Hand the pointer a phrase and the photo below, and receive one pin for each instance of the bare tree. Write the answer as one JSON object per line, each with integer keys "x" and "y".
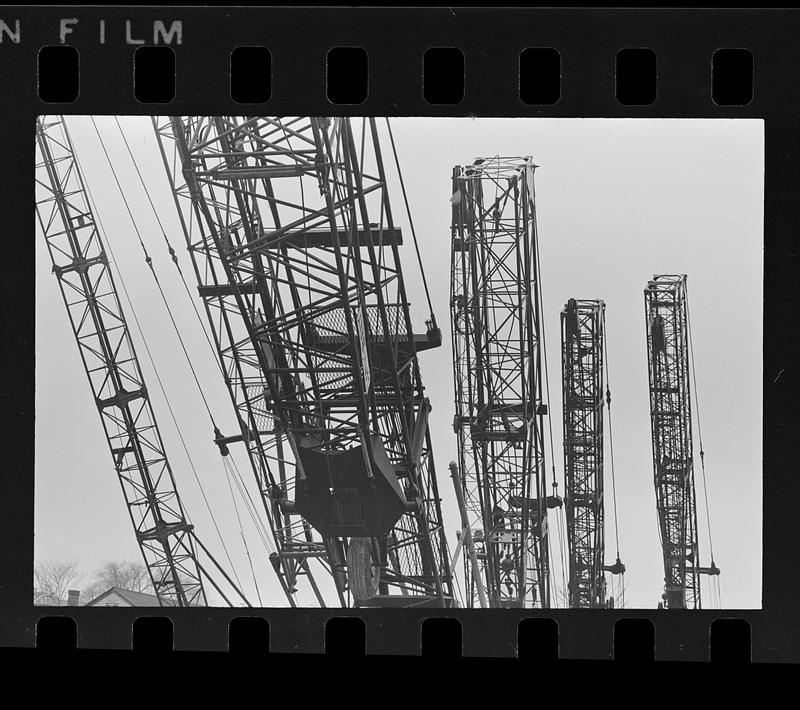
{"x": 55, "y": 578}
{"x": 122, "y": 574}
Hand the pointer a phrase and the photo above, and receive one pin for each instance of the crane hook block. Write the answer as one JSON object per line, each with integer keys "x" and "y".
{"x": 616, "y": 568}
{"x": 219, "y": 440}
{"x": 275, "y": 561}
{"x": 571, "y": 319}
{"x": 658, "y": 334}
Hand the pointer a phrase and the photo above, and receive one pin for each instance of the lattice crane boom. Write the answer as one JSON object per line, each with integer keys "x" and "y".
{"x": 496, "y": 330}
{"x": 666, "y": 317}
{"x": 81, "y": 265}
{"x": 582, "y": 361}
{"x": 290, "y": 229}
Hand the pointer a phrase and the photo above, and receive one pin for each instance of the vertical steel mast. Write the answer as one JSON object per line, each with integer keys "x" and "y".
{"x": 290, "y": 229}
{"x": 496, "y": 330}
{"x": 582, "y": 355}
{"x": 80, "y": 262}
{"x": 671, "y": 425}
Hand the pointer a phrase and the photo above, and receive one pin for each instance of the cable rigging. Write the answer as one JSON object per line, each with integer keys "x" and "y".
{"x": 538, "y": 286}
{"x": 149, "y": 261}
{"x": 149, "y": 353}
{"x": 411, "y": 223}
{"x": 243, "y": 491}
{"x": 715, "y": 578}
{"x": 66, "y": 214}
{"x": 169, "y": 404}
{"x": 173, "y": 255}
{"x": 618, "y": 563}
{"x": 157, "y": 374}
{"x": 241, "y": 531}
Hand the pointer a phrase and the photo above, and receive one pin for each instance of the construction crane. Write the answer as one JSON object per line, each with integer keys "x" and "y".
{"x": 297, "y": 259}
{"x": 582, "y": 361}
{"x": 668, "y": 350}
{"x": 67, "y": 220}
{"x": 499, "y": 408}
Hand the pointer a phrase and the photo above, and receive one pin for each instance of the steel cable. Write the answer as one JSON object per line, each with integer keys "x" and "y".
{"x": 538, "y": 287}
{"x": 411, "y": 223}
{"x": 699, "y": 428}
{"x": 613, "y": 469}
{"x": 156, "y": 372}
{"x": 149, "y": 262}
{"x": 241, "y": 531}
{"x": 611, "y": 441}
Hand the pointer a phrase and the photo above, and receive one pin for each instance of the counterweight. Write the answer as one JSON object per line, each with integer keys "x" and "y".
{"x": 291, "y": 233}
{"x": 81, "y": 265}
{"x": 666, "y": 317}
{"x": 496, "y": 330}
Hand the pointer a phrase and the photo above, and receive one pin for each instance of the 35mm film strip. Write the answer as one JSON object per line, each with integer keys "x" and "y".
{"x": 344, "y": 373}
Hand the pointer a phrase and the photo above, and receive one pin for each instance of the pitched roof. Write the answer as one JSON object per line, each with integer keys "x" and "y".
{"x": 132, "y": 597}
{"x": 139, "y": 598}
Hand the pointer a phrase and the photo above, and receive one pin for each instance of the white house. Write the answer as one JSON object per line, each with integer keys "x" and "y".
{"x": 116, "y": 596}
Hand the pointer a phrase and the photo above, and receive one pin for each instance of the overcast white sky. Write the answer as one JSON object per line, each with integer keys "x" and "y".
{"x": 617, "y": 201}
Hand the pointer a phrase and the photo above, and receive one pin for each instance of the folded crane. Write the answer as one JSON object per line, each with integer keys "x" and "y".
{"x": 668, "y": 350}
{"x": 497, "y": 333}
{"x": 582, "y": 359}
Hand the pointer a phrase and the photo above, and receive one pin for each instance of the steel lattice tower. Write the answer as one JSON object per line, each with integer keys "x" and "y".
{"x": 80, "y": 262}
{"x": 671, "y": 426}
{"x": 290, "y": 229}
{"x": 582, "y": 355}
{"x": 496, "y": 330}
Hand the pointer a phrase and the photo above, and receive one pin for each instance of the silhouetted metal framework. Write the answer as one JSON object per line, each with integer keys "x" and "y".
{"x": 291, "y": 233}
{"x": 496, "y": 330}
{"x": 80, "y": 262}
{"x": 671, "y": 425}
{"x": 582, "y": 354}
